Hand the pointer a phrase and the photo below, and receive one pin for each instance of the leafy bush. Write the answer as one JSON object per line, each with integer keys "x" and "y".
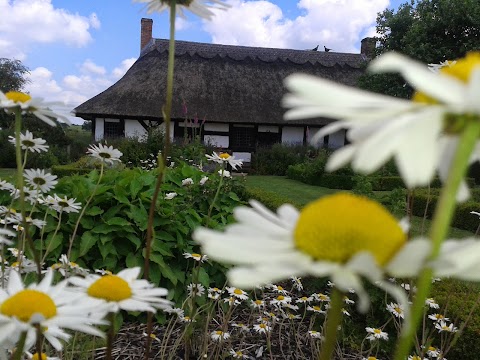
{"x": 275, "y": 160}
{"x": 111, "y": 234}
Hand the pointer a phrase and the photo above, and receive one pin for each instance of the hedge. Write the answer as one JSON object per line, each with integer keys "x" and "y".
{"x": 68, "y": 170}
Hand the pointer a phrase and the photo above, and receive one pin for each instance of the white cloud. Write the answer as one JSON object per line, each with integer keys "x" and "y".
{"x": 182, "y": 24}
{"x": 89, "y": 67}
{"x": 75, "y": 89}
{"x": 337, "y": 24}
{"x": 119, "y": 71}
{"x": 26, "y": 22}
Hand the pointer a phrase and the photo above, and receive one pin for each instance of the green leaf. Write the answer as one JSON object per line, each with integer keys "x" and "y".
{"x": 135, "y": 240}
{"x": 233, "y": 196}
{"x": 165, "y": 270}
{"x": 135, "y": 186}
{"x": 118, "y": 221}
{"x": 139, "y": 215}
{"x": 133, "y": 260}
{"x": 87, "y": 241}
{"x": 53, "y": 242}
{"x": 203, "y": 277}
{"x": 103, "y": 229}
{"x": 94, "y": 210}
{"x": 87, "y": 222}
{"x": 163, "y": 235}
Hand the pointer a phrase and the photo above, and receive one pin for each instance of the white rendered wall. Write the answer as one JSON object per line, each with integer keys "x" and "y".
{"x": 172, "y": 127}
{"x": 336, "y": 139}
{"x": 216, "y": 127}
{"x": 133, "y": 128}
{"x": 244, "y": 156}
{"x": 219, "y": 141}
{"x": 292, "y": 135}
{"x": 311, "y": 134}
{"x": 268, "y": 128}
{"x": 99, "y": 129}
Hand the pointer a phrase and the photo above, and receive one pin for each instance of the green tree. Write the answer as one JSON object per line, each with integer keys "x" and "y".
{"x": 12, "y": 75}
{"x": 430, "y": 31}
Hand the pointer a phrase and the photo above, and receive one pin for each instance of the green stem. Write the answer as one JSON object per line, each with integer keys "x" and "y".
{"x": 334, "y": 318}
{"x": 47, "y": 250}
{"x": 110, "y": 335}
{"x": 20, "y": 185}
{"x": 439, "y": 229}
{"x": 166, "y": 112}
{"x": 72, "y": 238}
{"x": 220, "y": 183}
{"x": 17, "y": 355}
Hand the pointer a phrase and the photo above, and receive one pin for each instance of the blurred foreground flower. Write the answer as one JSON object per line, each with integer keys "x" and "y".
{"x": 14, "y": 100}
{"x": 51, "y": 307}
{"x": 342, "y": 236}
{"x": 421, "y": 134}
{"x": 198, "y": 7}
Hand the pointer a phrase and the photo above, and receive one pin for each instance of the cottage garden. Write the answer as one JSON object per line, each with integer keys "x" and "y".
{"x": 107, "y": 259}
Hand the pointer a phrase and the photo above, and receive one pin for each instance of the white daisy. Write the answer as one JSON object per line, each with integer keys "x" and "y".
{"x": 123, "y": 291}
{"x": 18, "y": 220}
{"x": 107, "y": 154}
{"x": 177, "y": 311}
{"x": 272, "y": 247}
{"x": 442, "y": 326}
{"x": 46, "y": 305}
{"x": 219, "y": 335}
{"x": 420, "y": 135}
{"x": 4, "y": 237}
{"x": 316, "y": 309}
{"x": 62, "y": 204}
{"x": 170, "y": 195}
{"x": 28, "y": 142}
{"x": 304, "y": 299}
{"x": 397, "y": 310}
{"x": 376, "y": 334}
{"x": 258, "y": 304}
{"x": 238, "y": 293}
{"x": 432, "y": 351}
{"x": 281, "y": 300}
{"x": 238, "y": 354}
{"x": 348, "y": 301}
{"x": 241, "y": 326}
{"x": 195, "y": 290}
{"x": 225, "y": 158}
{"x": 321, "y": 297}
{"x": 200, "y": 8}
{"x": 5, "y": 185}
{"x": 416, "y": 357}
{"x": 40, "y": 180}
{"x": 432, "y": 303}
{"x": 438, "y": 317}
{"x": 203, "y": 180}
{"x": 232, "y": 300}
{"x": 262, "y": 328}
{"x": 14, "y": 100}
{"x": 315, "y": 334}
{"x": 187, "y": 181}
{"x": 224, "y": 173}
{"x": 278, "y": 288}
{"x": 195, "y": 256}
{"x": 297, "y": 282}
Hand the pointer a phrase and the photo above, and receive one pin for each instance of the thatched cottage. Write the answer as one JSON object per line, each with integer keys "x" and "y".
{"x": 236, "y": 89}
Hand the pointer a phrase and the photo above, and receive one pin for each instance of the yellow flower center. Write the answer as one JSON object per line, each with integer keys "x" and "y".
{"x": 15, "y": 264}
{"x": 336, "y": 227}
{"x": 461, "y": 70}
{"x": 43, "y": 356}
{"x": 263, "y": 326}
{"x": 377, "y": 331}
{"x": 195, "y": 255}
{"x": 238, "y": 292}
{"x": 110, "y": 288}
{"x": 18, "y": 97}
{"x": 279, "y": 288}
{"x": 280, "y": 297}
{"x": 398, "y": 310}
{"x": 431, "y": 348}
{"x": 219, "y": 332}
{"x": 26, "y": 303}
{"x": 258, "y": 302}
{"x": 371, "y": 358}
{"x": 317, "y": 308}
{"x": 224, "y": 156}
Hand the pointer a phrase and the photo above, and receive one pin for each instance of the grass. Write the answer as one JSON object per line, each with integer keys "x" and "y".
{"x": 302, "y": 194}
{"x": 7, "y": 174}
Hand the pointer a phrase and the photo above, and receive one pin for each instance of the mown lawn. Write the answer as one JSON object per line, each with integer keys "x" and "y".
{"x": 302, "y": 194}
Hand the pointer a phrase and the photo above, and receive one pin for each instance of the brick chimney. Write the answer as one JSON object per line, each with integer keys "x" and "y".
{"x": 368, "y": 47}
{"x": 146, "y": 32}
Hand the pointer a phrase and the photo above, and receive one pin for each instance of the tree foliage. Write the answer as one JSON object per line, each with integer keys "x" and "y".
{"x": 12, "y": 75}
{"x": 430, "y": 31}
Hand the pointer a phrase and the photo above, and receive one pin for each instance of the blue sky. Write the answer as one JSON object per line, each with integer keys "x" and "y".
{"x": 76, "y": 49}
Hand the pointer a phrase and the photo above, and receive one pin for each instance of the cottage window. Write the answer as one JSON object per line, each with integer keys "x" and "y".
{"x": 113, "y": 129}
{"x": 242, "y": 138}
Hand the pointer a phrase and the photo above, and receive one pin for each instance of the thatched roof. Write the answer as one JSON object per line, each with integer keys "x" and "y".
{"x": 237, "y": 84}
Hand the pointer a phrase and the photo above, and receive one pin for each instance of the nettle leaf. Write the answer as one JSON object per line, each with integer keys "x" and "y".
{"x": 121, "y": 195}
{"x": 113, "y": 211}
{"x": 52, "y": 243}
{"x": 107, "y": 249}
{"x": 135, "y": 186}
{"x": 163, "y": 235}
{"x": 118, "y": 221}
{"x": 103, "y": 229}
{"x": 203, "y": 277}
{"x": 162, "y": 247}
{"x": 87, "y": 222}
{"x": 140, "y": 215}
{"x": 94, "y": 210}
{"x": 87, "y": 241}
{"x": 135, "y": 240}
